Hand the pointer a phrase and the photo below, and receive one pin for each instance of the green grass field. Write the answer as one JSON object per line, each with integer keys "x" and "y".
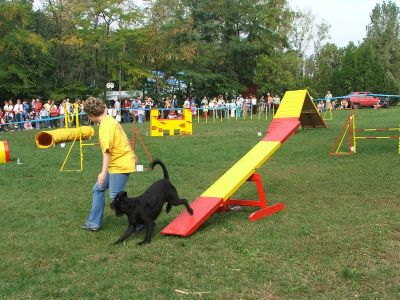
{"x": 339, "y": 236}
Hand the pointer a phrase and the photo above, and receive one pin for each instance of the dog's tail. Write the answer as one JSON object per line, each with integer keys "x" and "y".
{"x": 164, "y": 168}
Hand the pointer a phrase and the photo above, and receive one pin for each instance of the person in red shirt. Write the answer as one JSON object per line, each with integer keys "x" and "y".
{"x": 127, "y": 114}
{"x": 53, "y": 114}
{"x": 37, "y": 108}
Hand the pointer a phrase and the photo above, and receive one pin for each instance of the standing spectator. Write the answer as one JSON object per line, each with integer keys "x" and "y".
{"x": 232, "y": 107}
{"x": 167, "y": 107}
{"x": 1, "y": 120}
{"x": 61, "y": 112}
{"x": 193, "y": 110}
{"x": 328, "y": 98}
{"x": 262, "y": 105}
{"x": 33, "y": 103}
{"x": 135, "y": 105}
{"x": 203, "y": 105}
{"x": 37, "y": 109}
{"x": 25, "y": 107}
{"x": 148, "y": 106}
{"x": 174, "y": 102}
{"x": 211, "y": 107}
{"x": 68, "y": 107}
{"x": 44, "y": 115}
{"x": 276, "y": 102}
{"x": 81, "y": 113}
{"x": 204, "y": 101}
{"x": 186, "y": 103}
{"x": 239, "y": 104}
{"x": 270, "y": 103}
{"x": 127, "y": 114}
{"x": 205, "y": 111}
{"x": 47, "y": 107}
{"x": 53, "y": 114}
{"x": 141, "y": 113}
{"x": 117, "y": 107}
{"x": 253, "y": 100}
{"x": 18, "y": 111}
{"x": 193, "y": 100}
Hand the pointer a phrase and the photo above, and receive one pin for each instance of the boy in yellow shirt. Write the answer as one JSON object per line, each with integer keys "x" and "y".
{"x": 118, "y": 160}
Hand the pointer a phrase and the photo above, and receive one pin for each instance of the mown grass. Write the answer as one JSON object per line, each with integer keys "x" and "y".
{"x": 337, "y": 238}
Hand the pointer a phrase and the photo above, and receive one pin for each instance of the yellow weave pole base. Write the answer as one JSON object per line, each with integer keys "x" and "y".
{"x": 329, "y": 113}
{"x": 68, "y": 155}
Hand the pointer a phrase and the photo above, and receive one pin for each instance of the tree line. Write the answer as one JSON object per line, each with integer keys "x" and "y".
{"x": 73, "y": 48}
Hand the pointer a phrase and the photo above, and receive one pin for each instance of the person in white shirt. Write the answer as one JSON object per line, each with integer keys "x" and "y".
{"x": 18, "y": 110}
{"x": 8, "y": 111}
{"x": 254, "y": 105}
{"x": 186, "y": 104}
{"x": 117, "y": 106}
{"x": 211, "y": 107}
{"x": 328, "y": 98}
{"x": 44, "y": 115}
{"x": 232, "y": 107}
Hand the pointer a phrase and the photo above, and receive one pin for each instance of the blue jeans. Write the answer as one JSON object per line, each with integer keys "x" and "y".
{"x": 127, "y": 115}
{"x": 115, "y": 183}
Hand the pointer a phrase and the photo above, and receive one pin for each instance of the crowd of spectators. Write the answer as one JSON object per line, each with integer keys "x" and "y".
{"x": 35, "y": 114}
{"x": 138, "y": 109}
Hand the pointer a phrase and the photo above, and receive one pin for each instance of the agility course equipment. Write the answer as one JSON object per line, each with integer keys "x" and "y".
{"x": 69, "y": 116}
{"x": 328, "y": 115}
{"x": 47, "y": 139}
{"x": 350, "y": 131}
{"x": 135, "y": 135}
{"x": 296, "y": 109}
{"x": 4, "y": 152}
{"x": 158, "y": 126}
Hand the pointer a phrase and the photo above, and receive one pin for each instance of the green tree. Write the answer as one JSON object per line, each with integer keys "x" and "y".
{"x": 23, "y": 53}
{"x": 383, "y": 34}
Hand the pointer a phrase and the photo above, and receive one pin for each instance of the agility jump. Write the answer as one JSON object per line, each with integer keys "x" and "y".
{"x": 350, "y": 131}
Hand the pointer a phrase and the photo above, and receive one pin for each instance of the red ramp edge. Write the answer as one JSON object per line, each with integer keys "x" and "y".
{"x": 186, "y": 224}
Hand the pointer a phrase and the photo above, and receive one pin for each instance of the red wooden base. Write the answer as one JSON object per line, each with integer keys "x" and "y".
{"x": 260, "y": 202}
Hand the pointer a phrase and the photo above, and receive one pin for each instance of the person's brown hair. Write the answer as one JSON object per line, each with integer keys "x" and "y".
{"x": 94, "y": 106}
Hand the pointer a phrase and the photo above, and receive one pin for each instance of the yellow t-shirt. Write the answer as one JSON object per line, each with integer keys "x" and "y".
{"x": 113, "y": 138}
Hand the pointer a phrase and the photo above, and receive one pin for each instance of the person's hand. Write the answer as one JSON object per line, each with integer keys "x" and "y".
{"x": 100, "y": 179}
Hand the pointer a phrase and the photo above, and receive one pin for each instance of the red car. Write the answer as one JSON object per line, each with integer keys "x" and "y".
{"x": 362, "y": 99}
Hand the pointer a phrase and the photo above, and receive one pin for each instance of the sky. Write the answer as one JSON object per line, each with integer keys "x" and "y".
{"x": 347, "y": 18}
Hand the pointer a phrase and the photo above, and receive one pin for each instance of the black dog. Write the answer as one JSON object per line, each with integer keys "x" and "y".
{"x": 146, "y": 208}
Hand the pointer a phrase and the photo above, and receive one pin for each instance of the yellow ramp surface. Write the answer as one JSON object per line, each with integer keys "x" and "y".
{"x": 292, "y": 104}
{"x": 233, "y": 179}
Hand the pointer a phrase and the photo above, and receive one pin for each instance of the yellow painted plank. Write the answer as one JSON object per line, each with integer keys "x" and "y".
{"x": 292, "y": 104}
{"x": 233, "y": 179}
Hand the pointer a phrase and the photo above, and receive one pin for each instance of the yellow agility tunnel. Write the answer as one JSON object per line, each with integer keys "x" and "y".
{"x": 47, "y": 139}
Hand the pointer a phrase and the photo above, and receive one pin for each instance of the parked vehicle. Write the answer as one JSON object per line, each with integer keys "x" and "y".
{"x": 362, "y": 99}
